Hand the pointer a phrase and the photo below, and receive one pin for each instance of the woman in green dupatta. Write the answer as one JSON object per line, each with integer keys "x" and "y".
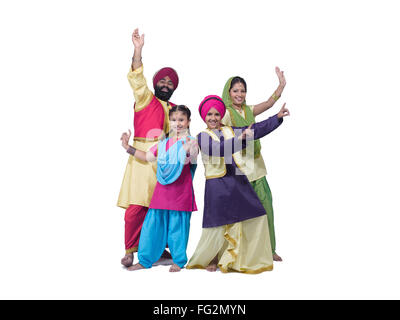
{"x": 239, "y": 114}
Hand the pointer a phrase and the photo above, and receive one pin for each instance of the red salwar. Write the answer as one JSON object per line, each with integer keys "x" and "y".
{"x": 134, "y": 217}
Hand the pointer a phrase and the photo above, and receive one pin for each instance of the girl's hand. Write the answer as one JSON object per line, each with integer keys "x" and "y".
{"x": 284, "y": 112}
{"x": 192, "y": 150}
{"x": 187, "y": 144}
{"x": 194, "y": 147}
{"x": 125, "y": 139}
{"x": 190, "y": 145}
{"x": 137, "y": 39}
{"x": 247, "y": 133}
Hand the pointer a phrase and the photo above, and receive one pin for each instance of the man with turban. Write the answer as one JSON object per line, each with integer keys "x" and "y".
{"x": 151, "y": 121}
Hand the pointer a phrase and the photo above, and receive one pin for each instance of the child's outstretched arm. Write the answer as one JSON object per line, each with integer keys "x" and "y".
{"x": 261, "y": 129}
{"x": 220, "y": 148}
{"x": 139, "y": 154}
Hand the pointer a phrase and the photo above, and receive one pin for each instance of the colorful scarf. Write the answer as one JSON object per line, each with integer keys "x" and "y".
{"x": 170, "y": 163}
{"x": 237, "y": 119}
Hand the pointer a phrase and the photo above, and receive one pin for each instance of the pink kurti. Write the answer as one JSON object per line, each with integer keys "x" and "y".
{"x": 178, "y": 195}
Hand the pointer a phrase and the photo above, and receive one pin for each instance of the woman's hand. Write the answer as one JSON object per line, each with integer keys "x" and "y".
{"x": 125, "y": 139}
{"x": 281, "y": 77}
{"x": 284, "y": 112}
{"x": 263, "y": 106}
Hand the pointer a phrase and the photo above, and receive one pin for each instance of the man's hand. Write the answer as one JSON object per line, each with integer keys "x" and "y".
{"x": 138, "y": 42}
{"x": 137, "y": 39}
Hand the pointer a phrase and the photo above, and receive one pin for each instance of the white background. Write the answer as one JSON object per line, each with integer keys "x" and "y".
{"x": 332, "y": 166}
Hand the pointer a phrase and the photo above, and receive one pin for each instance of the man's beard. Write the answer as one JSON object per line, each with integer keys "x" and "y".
{"x": 163, "y": 95}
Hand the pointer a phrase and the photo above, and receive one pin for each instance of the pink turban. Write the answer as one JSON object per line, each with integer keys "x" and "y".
{"x": 211, "y": 102}
{"x": 171, "y": 73}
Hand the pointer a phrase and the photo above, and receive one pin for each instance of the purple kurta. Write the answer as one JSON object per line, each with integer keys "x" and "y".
{"x": 231, "y": 198}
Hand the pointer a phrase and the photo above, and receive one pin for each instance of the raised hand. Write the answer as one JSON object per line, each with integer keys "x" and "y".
{"x": 247, "y": 133}
{"x": 284, "y": 112}
{"x": 188, "y": 144}
{"x": 137, "y": 39}
{"x": 194, "y": 146}
{"x": 125, "y": 139}
{"x": 263, "y": 106}
{"x": 281, "y": 77}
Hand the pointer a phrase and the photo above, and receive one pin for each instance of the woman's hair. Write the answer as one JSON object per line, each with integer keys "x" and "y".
{"x": 180, "y": 108}
{"x": 238, "y": 80}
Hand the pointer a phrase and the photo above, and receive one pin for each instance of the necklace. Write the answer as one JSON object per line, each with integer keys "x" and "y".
{"x": 238, "y": 108}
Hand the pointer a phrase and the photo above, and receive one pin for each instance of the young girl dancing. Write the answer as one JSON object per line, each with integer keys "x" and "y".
{"x": 168, "y": 220}
{"x": 235, "y": 233}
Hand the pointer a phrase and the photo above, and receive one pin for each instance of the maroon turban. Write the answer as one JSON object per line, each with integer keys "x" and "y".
{"x": 171, "y": 73}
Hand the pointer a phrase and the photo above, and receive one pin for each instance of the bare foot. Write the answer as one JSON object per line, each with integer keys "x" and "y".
{"x": 127, "y": 260}
{"x": 163, "y": 262}
{"x": 212, "y": 266}
{"x": 174, "y": 268}
{"x": 166, "y": 255}
{"x": 165, "y": 259}
{"x": 135, "y": 267}
{"x": 276, "y": 257}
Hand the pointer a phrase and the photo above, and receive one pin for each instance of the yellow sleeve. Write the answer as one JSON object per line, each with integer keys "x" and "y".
{"x": 226, "y": 120}
{"x": 141, "y": 92}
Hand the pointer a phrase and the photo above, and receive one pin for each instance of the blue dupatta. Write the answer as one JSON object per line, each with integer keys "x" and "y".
{"x": 170, "y": 163}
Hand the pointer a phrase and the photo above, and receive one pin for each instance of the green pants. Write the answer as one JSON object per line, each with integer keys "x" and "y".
{"x": 263, "y": 191}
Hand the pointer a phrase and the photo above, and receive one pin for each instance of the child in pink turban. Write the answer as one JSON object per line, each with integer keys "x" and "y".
{"x": 235, "y": 233}
{"x": 209, "y": 102}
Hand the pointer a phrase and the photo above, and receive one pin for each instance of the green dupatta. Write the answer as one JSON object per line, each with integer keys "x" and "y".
{"x": 237, "y": 119}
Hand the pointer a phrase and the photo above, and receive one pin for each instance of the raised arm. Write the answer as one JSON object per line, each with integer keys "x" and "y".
{"x": 142, "y": 93}
{"x": 263, "y": 106}
{"x": 261, "y": 129}
{"x": 138, "y": 42}
{"x": 139, "y": 154}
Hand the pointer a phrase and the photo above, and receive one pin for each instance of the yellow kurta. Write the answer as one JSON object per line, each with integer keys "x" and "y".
{"x": 259, "y": 165}
{"x": 140, "y": 177}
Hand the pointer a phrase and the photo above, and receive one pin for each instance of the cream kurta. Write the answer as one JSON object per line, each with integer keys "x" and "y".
{"x": 259, "y": 165}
